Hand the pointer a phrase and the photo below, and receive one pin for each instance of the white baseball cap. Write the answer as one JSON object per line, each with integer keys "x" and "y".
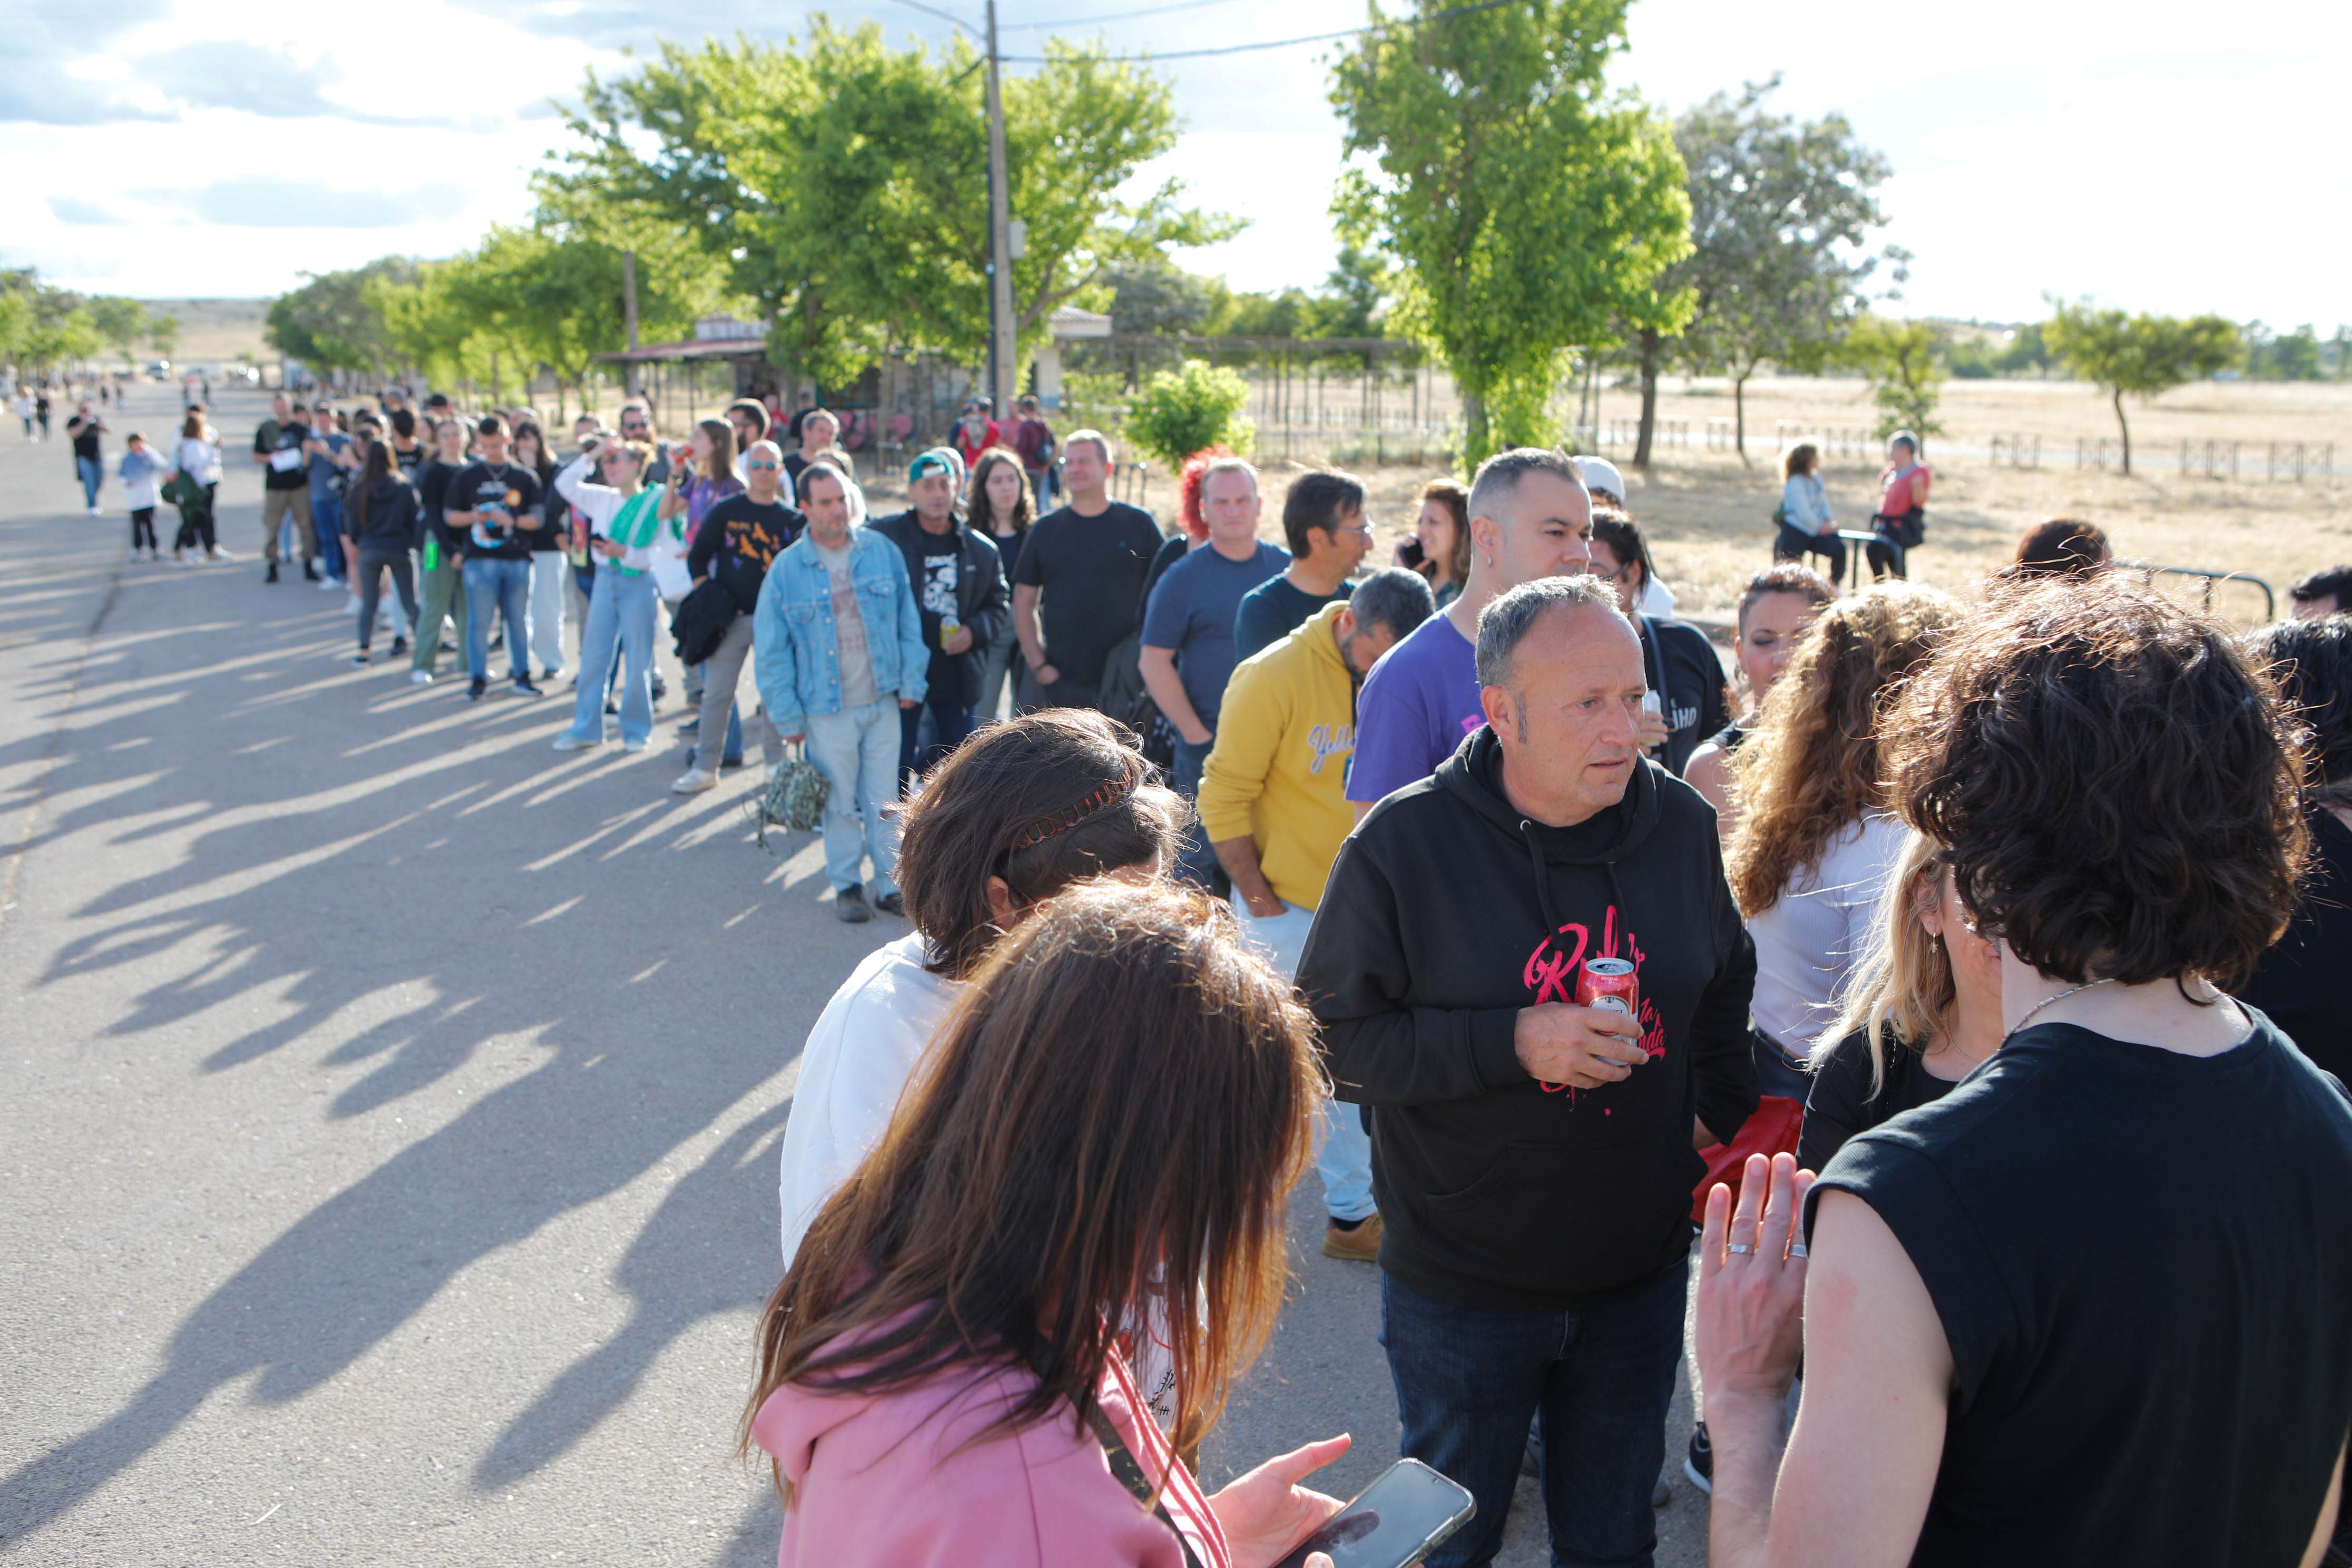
{"x": 1601, "y": 474}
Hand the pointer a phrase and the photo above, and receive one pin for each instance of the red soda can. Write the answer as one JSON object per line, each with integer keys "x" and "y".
{"x": 1609, "y": 983}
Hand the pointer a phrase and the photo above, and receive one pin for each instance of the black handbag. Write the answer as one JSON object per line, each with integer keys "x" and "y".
{"x": 700, "y": 623}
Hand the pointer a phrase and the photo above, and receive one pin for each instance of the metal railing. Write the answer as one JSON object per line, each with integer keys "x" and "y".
{"x": 2149, "y": 571}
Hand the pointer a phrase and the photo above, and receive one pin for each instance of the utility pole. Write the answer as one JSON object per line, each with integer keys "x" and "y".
{"x": 629, "y": 311}
{"x": 1001, "y": 335}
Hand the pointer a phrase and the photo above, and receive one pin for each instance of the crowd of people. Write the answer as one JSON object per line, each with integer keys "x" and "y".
{"x": 1862, "y": 980}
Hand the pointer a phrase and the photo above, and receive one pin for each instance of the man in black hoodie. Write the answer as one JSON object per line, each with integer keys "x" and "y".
{"x": 1533, "y": 1159}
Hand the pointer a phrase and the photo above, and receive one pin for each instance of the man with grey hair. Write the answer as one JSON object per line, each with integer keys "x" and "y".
{"x": 1529, "y": 518}
{"x": 1077, "y": 588}
{"x": 1273, "y": 806}
{"x": 1529, "y": 967}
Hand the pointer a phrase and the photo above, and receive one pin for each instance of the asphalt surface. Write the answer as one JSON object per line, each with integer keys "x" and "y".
{"x": 390, "y": 1105}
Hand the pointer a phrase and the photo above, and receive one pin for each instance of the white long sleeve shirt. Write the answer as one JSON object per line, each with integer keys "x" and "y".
{"x": 600, "y": 504}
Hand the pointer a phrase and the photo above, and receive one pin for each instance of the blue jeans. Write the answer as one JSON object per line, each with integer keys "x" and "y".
{"x": 504, "y": 587}
{"x": 857, "y": 751}
{"x": 92, "y": 477}
{"x": 1195, "y": 862}
{"x": 620, "y": 621}
{"x": 1598, "y": 1378}
{"x": 1343, "y": 1150}
{"x": 950, "y": 717}
{"x": 327, "y": 518}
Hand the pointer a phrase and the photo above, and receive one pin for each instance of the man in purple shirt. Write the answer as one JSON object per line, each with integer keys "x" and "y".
{"x": 1529, "y": 518}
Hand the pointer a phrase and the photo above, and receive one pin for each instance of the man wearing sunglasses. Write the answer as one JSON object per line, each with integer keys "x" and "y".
{"x": 740, "y": 539}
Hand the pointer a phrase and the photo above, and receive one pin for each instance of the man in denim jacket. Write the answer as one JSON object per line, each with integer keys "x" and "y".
{"x": 837, "y": 649}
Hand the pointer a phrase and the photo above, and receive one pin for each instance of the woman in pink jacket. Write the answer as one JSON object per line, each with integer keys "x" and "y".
{"x": 1122, "y": 1096}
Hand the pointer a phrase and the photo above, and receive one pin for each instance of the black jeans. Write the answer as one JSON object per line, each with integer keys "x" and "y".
{"x": 950, "y": 717}
{"x": 375, "y": 562}
{"x": 1794, "y": 544}
{"x": 142, "y": 528}
{"x": 197, "y": 525}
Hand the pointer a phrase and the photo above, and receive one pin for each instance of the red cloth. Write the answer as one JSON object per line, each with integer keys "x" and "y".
{"x": 968, "y": 452}
{"x": 1771, "y": 1130}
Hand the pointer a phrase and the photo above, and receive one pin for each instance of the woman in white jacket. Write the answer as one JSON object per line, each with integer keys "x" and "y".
{"x": 197, "y": 458}
{"x": 1017, "y": 812}
{"x": 1806, "y": 526}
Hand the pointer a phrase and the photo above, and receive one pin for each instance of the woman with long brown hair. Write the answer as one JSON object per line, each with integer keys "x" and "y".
{"x": 999, "y": 506}
{"x": 1815, "y": 843}
{"x": 1017, "y": 812}
{"x": 1121, "y": 1098}
{"x": 380, "y": 512}
{"x": 1439, "y": 546}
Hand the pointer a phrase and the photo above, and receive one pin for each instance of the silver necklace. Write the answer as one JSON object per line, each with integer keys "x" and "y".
{"x": 2053, "y": 997}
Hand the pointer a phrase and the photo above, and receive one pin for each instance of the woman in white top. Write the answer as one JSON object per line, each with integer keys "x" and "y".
{"x": 197, "y": 458}
{"x": 1016, "y": 814}
{"x": 1806, "y": 526}
{"x": 1815, "y": 845}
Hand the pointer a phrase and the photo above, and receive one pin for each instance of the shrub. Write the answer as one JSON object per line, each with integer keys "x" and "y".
{"x": 1181, "y": 411}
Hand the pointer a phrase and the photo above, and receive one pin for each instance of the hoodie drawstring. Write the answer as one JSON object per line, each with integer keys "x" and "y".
{"x": 1543, "y": 883}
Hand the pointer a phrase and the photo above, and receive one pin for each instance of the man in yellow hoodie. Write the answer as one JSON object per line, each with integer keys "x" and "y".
{"x": 1274, "y": 806}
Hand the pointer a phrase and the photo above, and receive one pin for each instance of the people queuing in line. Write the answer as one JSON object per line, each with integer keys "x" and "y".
{"x": 195, "y": 484}
{"x": 277, "y": 452}
{"x": 1077, "y": 589}
{"x": 703, "y": 472}
{"x": 1774, "y": 608}
{"x": 1606, "y": 486}
{"x": 383, "y": 513}
{"x": 1273, "y": 808}
{"x": 489, "y": 512}
{"x": 545, "y": 592}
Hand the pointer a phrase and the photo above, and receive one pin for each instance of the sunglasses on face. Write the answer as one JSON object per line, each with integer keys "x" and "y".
{"x": 760, "y": 465}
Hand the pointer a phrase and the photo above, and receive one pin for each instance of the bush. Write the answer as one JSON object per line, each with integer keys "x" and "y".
{"x": 1181, "y": 411}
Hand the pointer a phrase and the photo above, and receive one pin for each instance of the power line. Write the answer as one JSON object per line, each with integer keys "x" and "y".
{"x": 947, "y": 16}
{"x": 1288, "y": 43}
{"x": 1108, "y": 16}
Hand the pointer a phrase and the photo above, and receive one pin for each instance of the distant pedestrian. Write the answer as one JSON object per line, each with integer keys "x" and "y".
{"x": 1032, "y": 439}
{"x": 975, "y": 432}
{"x": 139, "y": 467}
{"x": 196, "y": 464}
{"x": 284, "y": 486}
{"x": 839, "y": 650}
{"x": 328, "y": 461}
{"x": 41, "y": 411}
{"x": 1078, "y": 592}
{"x": 999, "y": 505}
{"x": 1323, "y": 522}
{"x": 548, "y": 567}
{"x": 819, "y": 431}
{"x": 24, "y": 412}
{"x": 493, "y": 506}
{"x": 86, "y": 429}
{"x": 382, "y": 507}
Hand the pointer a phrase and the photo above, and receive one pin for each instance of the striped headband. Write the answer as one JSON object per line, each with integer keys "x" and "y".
{"x": 1061, "y": 822}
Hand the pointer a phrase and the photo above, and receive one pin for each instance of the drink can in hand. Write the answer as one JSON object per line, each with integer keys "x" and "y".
{"x": 1609, "y": 983}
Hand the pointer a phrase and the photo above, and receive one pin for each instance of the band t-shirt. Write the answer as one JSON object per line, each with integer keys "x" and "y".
{"x": 2139, "y": 1259}
{"x": 935, "y": 596}
{"x": 282, "y": 445}
{"x": 851, "y": 656}
{"x": 1089, "y": 571}
{"x": 739, "y": 540}
{"x": 500, "y": 495}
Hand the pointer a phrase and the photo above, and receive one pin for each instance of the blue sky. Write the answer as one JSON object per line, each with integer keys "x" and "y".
{"x": 169, "y": 148}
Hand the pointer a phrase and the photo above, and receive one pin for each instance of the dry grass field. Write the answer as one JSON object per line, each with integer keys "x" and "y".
{"x": 215, "y": 332}
{"x": 1709, "y": 517}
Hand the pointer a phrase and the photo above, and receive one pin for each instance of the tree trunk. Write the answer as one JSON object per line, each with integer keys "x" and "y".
{"x": 2124, "y": 426}
{"x": 1475, "y": 440}
{"x": 1649, "y": 397}
{"x": 1739, "y": 415}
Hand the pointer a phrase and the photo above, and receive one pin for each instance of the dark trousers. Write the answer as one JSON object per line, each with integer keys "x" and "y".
{"x": 142, "y": 528}
{"x": 1884, "y": 556}
{"x": 1196, "y": 862}
{"x": 1794, "y": 544}
{"x": 197, "y": 525}
{"x": 1033, "y": 695}
{"x": 375, "y": 562}
{"x": 950, "y": 722}
{"x": 1596, "y": 1380}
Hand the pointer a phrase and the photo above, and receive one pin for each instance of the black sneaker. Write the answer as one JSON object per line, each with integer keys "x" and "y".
{"x": 310, "y": 574}
{"x": 1699, "y": 1463}
{"x": 849, "y": 906}
{"x": 271, "y": 576}
{"x": 523, "y": 687}
{"x": 399, "y": 646}
{"x": 359, "y": 659}
{"x": 475, "y": 689}
{"x": 891, "y": 904}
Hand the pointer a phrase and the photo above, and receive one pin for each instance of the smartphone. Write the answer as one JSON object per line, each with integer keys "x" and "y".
{"x": 1392, "y": 1524}
{"x": 1409, "y": 551}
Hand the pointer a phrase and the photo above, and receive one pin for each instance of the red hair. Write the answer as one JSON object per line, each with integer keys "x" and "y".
{"x": 1188, "y": 489}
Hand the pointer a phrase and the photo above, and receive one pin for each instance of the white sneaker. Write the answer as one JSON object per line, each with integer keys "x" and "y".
{"x": 329, "y": 585}
{"x": 571, "y": 742}
{"x": 634, "y": 748}
{"x": 694, "y": 780}
{"x": 351, "y": 605}
{"x": 420, "y": 678}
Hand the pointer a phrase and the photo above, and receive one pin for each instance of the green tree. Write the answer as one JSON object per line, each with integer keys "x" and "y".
{"x": 1778, "y": 212}
{"x": 1529, "y": 207}
{"x": 843, "y": 183}
{"x": 121, "y": 324}
{"x": 333, "y": 321}
{"x": 1898, "y": 359}
{"x": 2294, "y": 356}
{"x": 1181, "y": 411}
{"x": 163, "y": 334}
{"x": 2142, "y": 355}
{"x": 16, "y": 323}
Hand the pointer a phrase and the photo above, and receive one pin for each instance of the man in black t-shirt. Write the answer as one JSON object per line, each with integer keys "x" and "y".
{"x": 493, "y": 507}
{"x": 959, "y": 582}
{"x": 285, "y": 484}
{"x": 89, "y": 456}
{"x": 441, "y": 584}
{"x": 1078, "y": 585}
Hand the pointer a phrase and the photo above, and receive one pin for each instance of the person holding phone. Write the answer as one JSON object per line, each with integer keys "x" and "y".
{"x": 937, "y": 1382}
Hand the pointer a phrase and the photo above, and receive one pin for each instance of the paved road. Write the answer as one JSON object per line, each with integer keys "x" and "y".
{"x": 391, "y": 1104}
